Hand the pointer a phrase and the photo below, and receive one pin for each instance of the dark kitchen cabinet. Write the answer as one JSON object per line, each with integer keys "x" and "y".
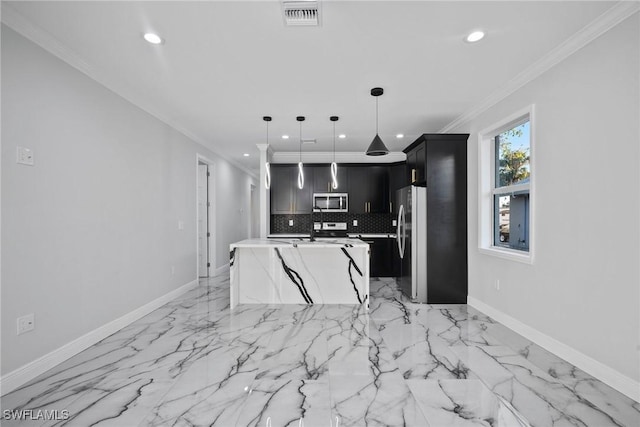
{"x": 397, "y": 180}
{"x": 286, "y": 197}
{"x": 368, "y": 189}
{"x": 322, "y": 179}
{"x": 440, "y": 164}
{"x": 416, "y": 165}
{"x": 381, "y": 256}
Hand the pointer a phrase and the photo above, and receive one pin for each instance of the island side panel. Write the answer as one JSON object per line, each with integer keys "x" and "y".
{"x": 233, "y": 277}
{"x": 302, "y": 275}
{"x": 326, "y": 275}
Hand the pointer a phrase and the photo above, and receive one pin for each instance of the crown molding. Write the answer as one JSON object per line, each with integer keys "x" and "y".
{"x": 341, "y": 157}
{"x": 14, "y": 20}
{"x": 609, "y": 19}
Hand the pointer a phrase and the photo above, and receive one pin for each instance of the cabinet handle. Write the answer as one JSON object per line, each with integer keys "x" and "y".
{"x": 390, "y": 207}
{"x": 414, "y": 175}
{"x": 328, "y": 187}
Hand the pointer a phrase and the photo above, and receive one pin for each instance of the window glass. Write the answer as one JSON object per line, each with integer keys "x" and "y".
{"x": 511, "y": 221}
{"x": 512, "y": 156}
{"x": 511, "y": 190}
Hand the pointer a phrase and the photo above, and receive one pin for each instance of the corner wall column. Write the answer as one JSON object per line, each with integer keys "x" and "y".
{"x": 265, "y": 156}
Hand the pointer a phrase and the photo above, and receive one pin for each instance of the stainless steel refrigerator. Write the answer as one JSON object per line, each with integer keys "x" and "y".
{"x": 411, "y": 221}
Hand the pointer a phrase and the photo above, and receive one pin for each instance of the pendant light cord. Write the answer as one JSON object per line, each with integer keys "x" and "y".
{"x": 300, "y": 142}
{"x": 334, "y": 142}
{"x": 376, "y": 115}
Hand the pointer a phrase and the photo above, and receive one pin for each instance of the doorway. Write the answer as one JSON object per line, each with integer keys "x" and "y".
{"x": 204, "y": 218}
{"x": 254, "y": 217}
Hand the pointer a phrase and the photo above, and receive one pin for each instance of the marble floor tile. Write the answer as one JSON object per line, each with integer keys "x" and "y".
{"x": 540, "y": 398}
{"x": 287, "y": 403}
{"x": 462, "y": 403}
{"x": 195, "y": 362}
{"x": 379, "y": 399}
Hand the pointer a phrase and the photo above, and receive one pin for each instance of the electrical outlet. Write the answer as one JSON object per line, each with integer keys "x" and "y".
{"x": 26, "y": 323}
{"x": 355, "y": 222}
{"x": 180, "y": 224}
{"x": 290, "y": 223}
{"x": 394, "y": 222}
{"x": 497, "y": 285}
{"x": 24, "y": 156}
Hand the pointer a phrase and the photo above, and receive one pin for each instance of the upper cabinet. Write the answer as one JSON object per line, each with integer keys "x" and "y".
{"x": 368, "y": 189}
{"x": 322, "y": 179}
{"x": 416, "y": 164}
{"x": 286, "y": 197}
{"x": 366, "y": 184}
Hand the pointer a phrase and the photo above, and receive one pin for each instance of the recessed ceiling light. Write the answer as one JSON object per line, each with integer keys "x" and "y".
{"x": 153, "y": 38}
{"x": 285, "y": 136}
{"x": 246, "y": 154}
{"x": 400, "y": 136}
{"x": 342, "y": 136}
{"x": 474, "y": 37}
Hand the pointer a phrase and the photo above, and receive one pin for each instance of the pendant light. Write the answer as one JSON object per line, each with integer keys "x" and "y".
{"x": 267, "y": 173}
{"x": 377, "y": 147}
{"x": 300, "y": 171}
{"x": 334, "y": 166}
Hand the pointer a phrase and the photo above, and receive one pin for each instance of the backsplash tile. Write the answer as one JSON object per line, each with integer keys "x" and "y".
{"x": 367, "y": 223}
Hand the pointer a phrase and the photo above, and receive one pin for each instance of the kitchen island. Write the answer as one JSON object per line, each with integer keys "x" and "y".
{"x": 297, "y": 271}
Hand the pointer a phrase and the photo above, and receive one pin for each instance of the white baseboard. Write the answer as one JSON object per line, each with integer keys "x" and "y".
{"x": 221, "y": 270}
{"x": 26, "y": 373}
{"x": 604, "y": 373}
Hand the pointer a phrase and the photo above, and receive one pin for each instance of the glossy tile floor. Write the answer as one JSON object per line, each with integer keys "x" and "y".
{"x": 193, "y": 362}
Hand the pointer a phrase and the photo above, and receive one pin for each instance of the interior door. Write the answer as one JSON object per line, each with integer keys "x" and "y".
{"x": 203, "y": 220}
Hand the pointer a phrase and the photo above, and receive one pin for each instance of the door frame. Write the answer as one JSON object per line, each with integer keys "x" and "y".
{"x": 211, "y": 220}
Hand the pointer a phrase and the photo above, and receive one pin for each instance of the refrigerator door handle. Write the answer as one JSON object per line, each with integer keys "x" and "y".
{"x": 399, "y": 236}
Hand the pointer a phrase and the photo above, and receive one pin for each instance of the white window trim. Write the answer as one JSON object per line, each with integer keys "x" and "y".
{"x": 486, "y": 191}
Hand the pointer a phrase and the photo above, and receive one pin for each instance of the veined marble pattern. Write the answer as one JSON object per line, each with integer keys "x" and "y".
{"x": 266, "y": 271}
{"x": 195, "y": 362}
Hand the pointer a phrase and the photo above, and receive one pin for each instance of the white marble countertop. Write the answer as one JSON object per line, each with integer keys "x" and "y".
{"x": 373, "y": 235}
{"x": 319, "y": 243}
{"x": 351, "y": 235}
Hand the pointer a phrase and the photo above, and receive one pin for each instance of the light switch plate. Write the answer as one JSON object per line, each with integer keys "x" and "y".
{"x": 355, "y": 222}
{"x": 24, "y": 156}
{"x": 290, "y": 223}
{"x": 394, "y": 222}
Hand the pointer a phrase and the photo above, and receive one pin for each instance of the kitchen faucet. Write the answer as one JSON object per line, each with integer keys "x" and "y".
{"x": 313, "y": 231}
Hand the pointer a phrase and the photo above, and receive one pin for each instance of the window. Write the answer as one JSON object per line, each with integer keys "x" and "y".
{"x": 511, "y": 187}
{"x": 506, "y": 188}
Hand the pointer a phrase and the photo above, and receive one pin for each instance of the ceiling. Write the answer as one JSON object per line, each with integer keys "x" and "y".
{"x": 225, "y": 64}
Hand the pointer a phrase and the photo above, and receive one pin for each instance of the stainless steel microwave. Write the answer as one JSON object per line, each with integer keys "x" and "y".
{"x": 330, "y": 202}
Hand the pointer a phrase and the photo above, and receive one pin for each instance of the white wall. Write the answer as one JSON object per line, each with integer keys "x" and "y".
{"x": 91, "y": 231}
{"x": 583, "y": 288}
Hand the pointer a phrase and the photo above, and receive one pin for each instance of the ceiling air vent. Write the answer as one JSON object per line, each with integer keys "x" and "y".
{"x": 305, "y": 12}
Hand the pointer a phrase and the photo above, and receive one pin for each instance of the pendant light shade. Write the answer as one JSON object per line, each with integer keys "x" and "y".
{"x": 377, "y": 147}
{"x": 267, "y": 173}
{"x": 300, "y": 119}
{"x": 334, "y": 166}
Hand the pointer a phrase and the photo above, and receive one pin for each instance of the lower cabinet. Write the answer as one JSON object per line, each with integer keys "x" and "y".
{"x": 381, "y": 256}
